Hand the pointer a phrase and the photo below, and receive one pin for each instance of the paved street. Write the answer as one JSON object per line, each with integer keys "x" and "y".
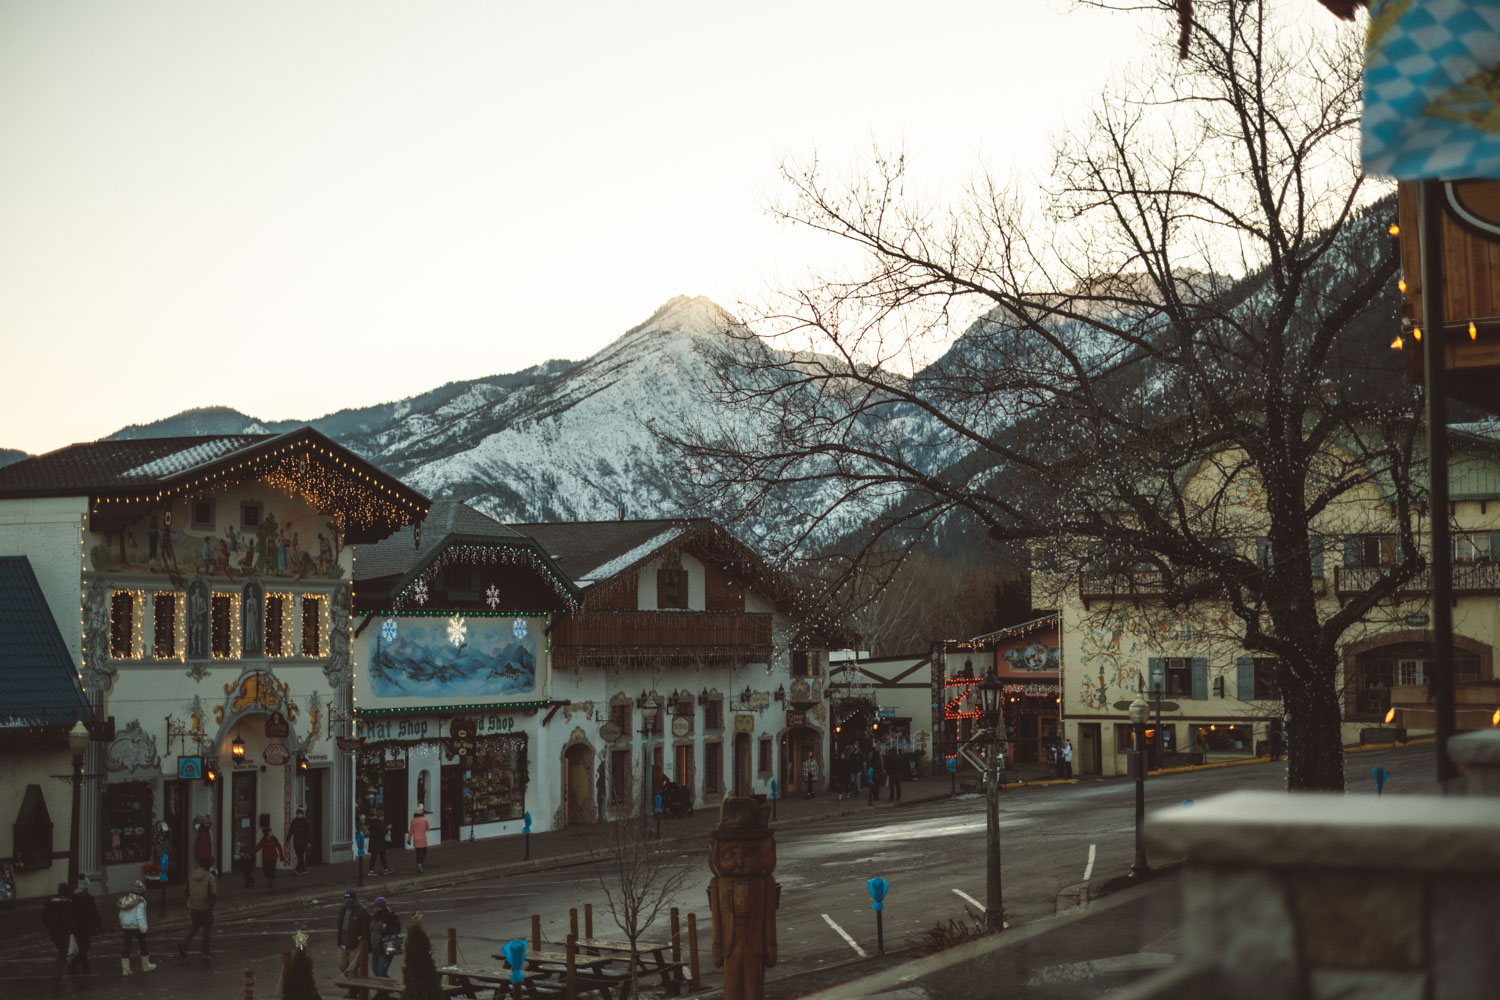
{"x": 932, "y": 854}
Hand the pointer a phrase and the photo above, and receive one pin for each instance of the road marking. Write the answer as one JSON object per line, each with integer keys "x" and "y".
{"x": 971, "y": 899}
{"x": 1088, "y": 869}
{"x": 845, "y": 935}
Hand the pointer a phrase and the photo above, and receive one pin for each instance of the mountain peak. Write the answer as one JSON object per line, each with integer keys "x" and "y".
{"x": 696, "y": 315}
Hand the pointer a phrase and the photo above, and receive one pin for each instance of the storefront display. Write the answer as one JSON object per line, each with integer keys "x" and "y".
{"x": 126, "y": 822}
{"x": 494, "y": 783}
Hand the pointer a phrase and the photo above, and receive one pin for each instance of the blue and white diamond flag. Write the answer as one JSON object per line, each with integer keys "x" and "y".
{"x": 1432, "y": 89}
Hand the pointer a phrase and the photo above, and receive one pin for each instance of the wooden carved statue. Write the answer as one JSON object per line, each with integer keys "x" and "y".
{"x": 743, "y": 897}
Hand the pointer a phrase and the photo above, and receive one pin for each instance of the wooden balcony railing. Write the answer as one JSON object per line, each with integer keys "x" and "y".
{"x": 1468, "y": 578}
{"x": 706, "y": 629}
{"x": 1142, "y": 583}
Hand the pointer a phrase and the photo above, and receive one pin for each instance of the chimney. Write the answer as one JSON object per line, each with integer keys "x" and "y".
{"x": 622, "y": 512}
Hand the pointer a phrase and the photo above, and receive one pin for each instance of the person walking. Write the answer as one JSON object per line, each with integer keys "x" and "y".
{"x": 270, "y": 851}
{"x": 379, "y": 840}
{"x": 203, "y": 843}
{"x": 57, "y": 917}
{"x": 416, "y": 835}
{"x": 353, "y": 927}
{"x": 299, "y": 835}
{"x": 893, "y": 766}
{"x": 1067, "y": 758}
{"x": 132, "y": 908}
{"x": 384, "y": 938}
{"x": 86, "y": 924}
{"x": 809, "y": 775}
{"x": 202, "y": 889}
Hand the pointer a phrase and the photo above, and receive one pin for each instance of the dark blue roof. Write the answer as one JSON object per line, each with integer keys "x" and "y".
{"x": 38, "y": 679}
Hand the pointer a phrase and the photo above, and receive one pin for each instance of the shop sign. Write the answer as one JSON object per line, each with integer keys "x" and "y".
{"x": 275, "y": 753}
{"x": 276, "y": 727}
{"x": 1417, "y": 619}
{"x": 796, "y": 718}
{"x": 497, "y": 724}
{"x": 349, "y": 744}
{"x": 887, "y": 713}
{"x": 398, "y": 729}
{"x": 744, "y": 723}
{"x": 681, "y": 727}
{"x": 610, "y": 731}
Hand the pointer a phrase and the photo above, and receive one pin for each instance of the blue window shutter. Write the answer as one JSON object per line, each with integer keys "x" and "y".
{"x": 1200, "y": 678}
{"x": 1156, "y": 679}
{"x": 1495, "y": 546}
{"x": 1315, "y": 542}
{"x": 1351, "y": 550}
{"x": 1244, "y": 669}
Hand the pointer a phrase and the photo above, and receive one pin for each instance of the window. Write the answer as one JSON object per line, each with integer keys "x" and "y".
{"x": 1216, "y": 738}
{"x": 763, "y": 764}
{"x": 312, "y": 626}
{"x": 713, "y": 767}
{"x": 1179, "y": 676}
{"x": 682, "y": 708}
{"x": 1420, "y": 671}
{"x": 1470, "y": 546}
{"x": 164, "y": 622}
{"x": 276, "y": 624}
{"x": 671, "y": 588}
{"x": 201, "y": 515}
{"x": 1372, "y": 689}
{"x": 492, "y": 784}
{"x": 1125, "y": 738}
{"x": 1466, "y": 671}
{"x": 1369, "y": 550}
{"x": 1263, "y": 685}
{"x": 126, "y": 822}
{"x": 222, "y": 619}
{"x": 801, "y": 663}
{"x": 122, "y": 624}
{"x": 249, "y": 514}
{"x": 713, "y": 715}
{"x": 619, "y": 776}
{"x": 1411, "y": 672}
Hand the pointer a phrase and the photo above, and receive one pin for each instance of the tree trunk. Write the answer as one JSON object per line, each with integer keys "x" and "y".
{"x": 1314, "y": 732}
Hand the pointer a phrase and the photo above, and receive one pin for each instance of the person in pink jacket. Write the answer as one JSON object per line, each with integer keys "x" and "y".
{"x": 416, "y": 835}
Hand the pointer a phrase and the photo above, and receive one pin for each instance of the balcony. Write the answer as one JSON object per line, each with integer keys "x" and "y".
{"x": 1468, "y": 579}
{"x": 660, "y": 637}
{"x": 1147, "y": 584}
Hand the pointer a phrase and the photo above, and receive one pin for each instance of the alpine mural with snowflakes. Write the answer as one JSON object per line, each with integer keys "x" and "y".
{"x": 454, "y": 657}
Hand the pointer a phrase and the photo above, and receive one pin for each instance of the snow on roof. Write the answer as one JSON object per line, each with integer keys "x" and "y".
{"x": 635, "y": 555}
{"x": 187, "y": 458}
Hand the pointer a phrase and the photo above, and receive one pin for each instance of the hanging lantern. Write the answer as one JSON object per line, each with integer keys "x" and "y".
{"x": 237, "y": 749}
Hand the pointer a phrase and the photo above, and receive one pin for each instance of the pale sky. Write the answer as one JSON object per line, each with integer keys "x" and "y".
{"x": 292, "y": 207}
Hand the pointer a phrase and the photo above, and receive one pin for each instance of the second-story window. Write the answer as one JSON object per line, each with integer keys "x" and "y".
{"x": 312, "y": 625}
{"x": 222, "y": 621}
{"x": 1179, "y": 676}
{"x": 1369, "y": 550}
{"x": 801, "y": 663}
{"x": 276, "y": 605}
{"x": 713, "y": 715}
{"x": 122, "y": 624}
{"x": 619, "y": 714}
{"x": 671, "y": 588}
{"x": 164, "y": 621}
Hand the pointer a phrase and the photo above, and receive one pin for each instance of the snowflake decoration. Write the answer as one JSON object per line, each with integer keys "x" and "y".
{"x": 419, "y": 591}
{"x": 457, "y": 629}
{"x": 388, "y": 630}
{"x": 518, "y": 628}
{"x": 492, "y": 597}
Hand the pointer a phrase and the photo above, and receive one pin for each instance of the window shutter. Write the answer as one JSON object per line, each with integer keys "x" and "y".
{"x": 1315, "y": 543}
{"x": 1495, "y": 546}
{"x": 1263, "y": 552}
{"x": 1351, "y": 550}
{"x": 1200, "y": 678}
{"x": 1156, "y": 679}
{"x": 1244, "y": 669}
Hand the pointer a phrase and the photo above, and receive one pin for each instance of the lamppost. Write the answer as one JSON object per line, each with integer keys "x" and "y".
{"x": 78, "y": 745}
{"x": 648, "y": 721}
{"x": 1139, "y": 712}
{"x": 989, "y": 699}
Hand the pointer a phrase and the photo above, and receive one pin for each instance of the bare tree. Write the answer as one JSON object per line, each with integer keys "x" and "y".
{"x": 1177, "y": 378}
{"x": 640, "y": 877}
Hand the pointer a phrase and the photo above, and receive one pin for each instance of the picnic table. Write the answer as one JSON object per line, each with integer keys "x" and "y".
{"x": 496, "y": 979}
{"x": 652, "y": 960}
{"x": 601, "y": 974}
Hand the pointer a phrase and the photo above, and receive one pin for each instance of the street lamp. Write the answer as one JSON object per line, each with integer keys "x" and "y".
{"x": 78, "y": 745}
{"x": 989, "y": 701}
{"x": 237, "y": 749}
{"x": 648, "y": 720}
{"x": 1139, "y": 711}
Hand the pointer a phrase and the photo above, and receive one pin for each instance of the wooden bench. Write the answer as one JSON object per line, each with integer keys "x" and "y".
{"x": 365, "y": 986}
{"x": 651, "y": 960}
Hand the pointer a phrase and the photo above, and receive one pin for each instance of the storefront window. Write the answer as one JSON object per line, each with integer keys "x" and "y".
{"x": 127, "y": 822}
{"x": 1222, "y": 739}
{"x": 494, "y": 783}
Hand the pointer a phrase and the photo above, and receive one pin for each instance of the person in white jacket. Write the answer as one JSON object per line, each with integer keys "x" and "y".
{"x": 133, "y": 925}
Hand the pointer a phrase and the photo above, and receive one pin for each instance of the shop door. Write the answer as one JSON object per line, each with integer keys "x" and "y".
{"x": 580, "y": 788}
{"x": 1089, "y": 757}
{"x": 176, "y": 794}
{"x": 313, "y": 793}
{"x": 742, "y": 763}
{"x": 393, "y": 789}
{"x": 798, "y": 744}
{"x": 242, "y": 801}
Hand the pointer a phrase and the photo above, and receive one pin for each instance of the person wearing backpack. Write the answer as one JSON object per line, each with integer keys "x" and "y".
{"x": 132, "y": 908}
{"x": 385, "y": 937}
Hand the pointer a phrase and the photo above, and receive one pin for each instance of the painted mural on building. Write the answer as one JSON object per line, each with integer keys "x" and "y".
{"x": 291, "y": 543}
{"x": 429, "y": 658}
{"x": 1033, "y": 657}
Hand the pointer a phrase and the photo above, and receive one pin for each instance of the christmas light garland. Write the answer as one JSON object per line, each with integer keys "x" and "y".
{"x": 469, "y": 554}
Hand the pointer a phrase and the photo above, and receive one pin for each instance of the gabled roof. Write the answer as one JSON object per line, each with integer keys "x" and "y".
{"x": 38, "y": 678}
{"x": 595, "y": 551}
{"x": 120, "y": 476}
{"x": 386, "y": 569}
